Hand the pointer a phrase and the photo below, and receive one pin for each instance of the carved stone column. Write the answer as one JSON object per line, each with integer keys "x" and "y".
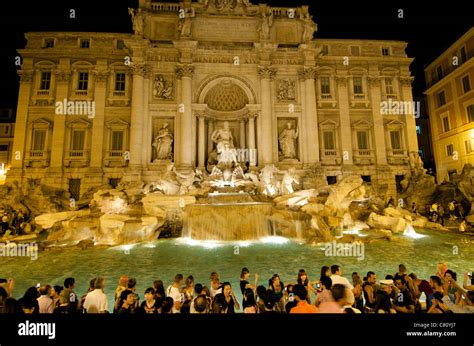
{"x": 267, "y": 74}
{"x": 407, "y": 96}
{"x": 344, "y": 120}
{"x": 251, "y": 139}
{"x": 137, "y": 119}
{"x": 97, "y": 143}
{"x": 379, "y": 130}
{"x": 310, "y": 115}
{"x": 242, "y": 133}
{"x": 201, "y": 140}
{"x": 21, "y": 125}
{"x": 184, "y": 72}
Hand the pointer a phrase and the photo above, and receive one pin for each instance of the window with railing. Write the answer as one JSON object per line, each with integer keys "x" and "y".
{"x": 119, "y": 84}
{"x": 116, "y": 144}
{"x": 84, "y": 43}
{"x": 395, "y": 140}
{"x": 362, "y": 140}
{"x": 325, "y": 86}
{"x": 389, "y": 90}
{"x": 39, "y": 140}
{"x": 357, "y": 86}
{"x": 45, "y": 80}
{"x": 439, "y": 71}
{"x": 329, "y": 140}
{"x": 83, "y": 81}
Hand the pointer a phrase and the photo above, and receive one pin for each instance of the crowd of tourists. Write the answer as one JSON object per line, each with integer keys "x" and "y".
{"x": 400, "y": 293}
{"x": 14, "y": 222}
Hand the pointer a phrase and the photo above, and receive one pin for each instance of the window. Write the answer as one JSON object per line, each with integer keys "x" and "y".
{"x": 466, "y": 85}
{"x": 357, "y": 81}
{"x": 120, "y": 81}
{"x": 117, "y": 141}
{"x": 385, "y": 51}
{"x": 7, "y": 129}
{"x": 84, "y": 43}
{"x": 355, "y": 50}
{"x": 395, "y": 140}
{"x": 78, "y": 139}
{"x": 325, "y": 50}
{"x": 469, "y": 146}
{"x": 470, "y": 113}
{"x": 39, "y": 140}
{"x": 441, "y": 99}
{"x": 450, "y": 149}
{"x": 366, "y": 178}
{"x": 325, "y": 85}
{"x": 446, "y": 126}
{"x": 421, "y": 153}
{"x": 463, "y": 55}
{"x": 83, "y": 81}
{"x": 439, "y": 71}
{"x": 328, "y": 138}
{"x": 331, "y": 179}
{"x": 3, "y": 147}
{"x": 120, "y": 44}
{"x": 45, "y": 82}
{"x": 418, "y": 129}
{"x": 362, "y": 140}
{"x": 49, "y": 43}
{"x": 389, "y": 86}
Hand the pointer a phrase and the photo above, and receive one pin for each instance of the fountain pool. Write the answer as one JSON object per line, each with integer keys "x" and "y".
{"x": 162, "y": 259}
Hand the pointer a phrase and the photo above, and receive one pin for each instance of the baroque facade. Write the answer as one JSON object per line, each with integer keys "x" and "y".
{"x": 130, "y": 104}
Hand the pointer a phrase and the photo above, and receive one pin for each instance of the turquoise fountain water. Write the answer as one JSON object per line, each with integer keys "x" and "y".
{"x": 162, "y": 259}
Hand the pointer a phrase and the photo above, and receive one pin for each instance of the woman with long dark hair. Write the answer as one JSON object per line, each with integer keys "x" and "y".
{"x": 303, "y": 280}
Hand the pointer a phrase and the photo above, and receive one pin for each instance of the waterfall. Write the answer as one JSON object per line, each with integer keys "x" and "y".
{"x": 228, "y": 221}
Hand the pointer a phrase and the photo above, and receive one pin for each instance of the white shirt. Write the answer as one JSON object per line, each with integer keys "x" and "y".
{"x": 174, "y": 293}
{"x": 96, "y": 301}
{"x": 45, "y": 304}
{"x": 215, "y": 292}
{"x": 337, "y": 279}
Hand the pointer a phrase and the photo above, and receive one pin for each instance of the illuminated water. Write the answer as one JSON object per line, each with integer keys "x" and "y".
{"x": 164, "y": 258}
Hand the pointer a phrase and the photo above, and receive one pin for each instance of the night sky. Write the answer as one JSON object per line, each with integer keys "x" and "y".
{"x": 428, "y": 27}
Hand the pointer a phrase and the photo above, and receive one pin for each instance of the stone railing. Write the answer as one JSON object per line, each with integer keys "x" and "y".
{"x": 165, "y": 7}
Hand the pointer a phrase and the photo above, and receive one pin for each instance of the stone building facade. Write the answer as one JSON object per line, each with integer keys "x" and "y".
{"x": 191, "y": 68}
{"x": 450, "y": 99}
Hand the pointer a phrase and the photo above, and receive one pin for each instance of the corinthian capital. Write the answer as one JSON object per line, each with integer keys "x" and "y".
{"x": 101, "y": 76}
{"x": 406, "y": 80}
{"x": 63, "y": 75}
{"x": 25, "y": 75}
{"x": 143, "y": 69}
{"x": 374, "y": 80}
{"x": 183, "y": 70}
{"x": 266, "y": 72}
{"x": 340, "y": 79}
{"x": 308, "y": 73}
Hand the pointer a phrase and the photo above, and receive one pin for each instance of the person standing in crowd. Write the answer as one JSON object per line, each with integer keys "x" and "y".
{"x": 423, "y": 287}
{"x": 244, "y": 285}
{"x": 302, "y": 306}
{"x": 383, "y": 302}
{"x": 404, "y": 303}
{"x": 174, "y": 292}
{"x": 96, "y": 301}
{"x": 151, "y": 305}
{"x": 303, "y": 279}
{"x": 325, "y": 295}
{"x": 122, "y": 286}
{"x": 69, "y": 295}
{"x": 249, "y": 304}
{"x": 370, "y": 292}
{"x": 45, "y": 303}
{"x": 358, "y": 293}
{"x": 55, "y": 294}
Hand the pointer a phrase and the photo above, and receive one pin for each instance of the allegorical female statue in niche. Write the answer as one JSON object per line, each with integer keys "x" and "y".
{"x": 162, "y": 143}
{"x": 287, "y": 141}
